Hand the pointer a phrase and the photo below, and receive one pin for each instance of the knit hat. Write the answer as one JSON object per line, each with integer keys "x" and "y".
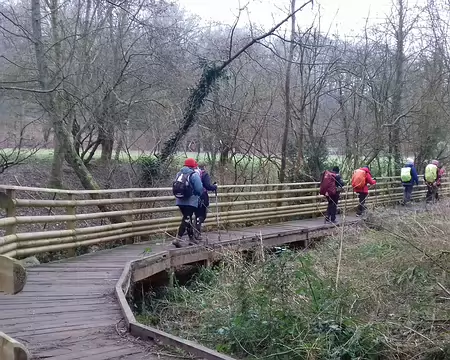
{"x": 410, "y": 161}
{"x": 191, "y": 163}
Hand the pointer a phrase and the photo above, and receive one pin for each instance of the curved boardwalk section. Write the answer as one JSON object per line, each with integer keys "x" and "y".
{"x": 68, "y": 310}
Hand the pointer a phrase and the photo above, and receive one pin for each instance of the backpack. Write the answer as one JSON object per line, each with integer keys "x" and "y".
{"x": 181, "y": 187}
{"x": 328, "y": 184}
{"x": 431, "y": 172}
{"x": 358, "y": 179}
{"x": 406, "y": 174}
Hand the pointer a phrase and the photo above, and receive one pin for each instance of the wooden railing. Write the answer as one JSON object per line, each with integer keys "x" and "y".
{"x": 71, "y": 219}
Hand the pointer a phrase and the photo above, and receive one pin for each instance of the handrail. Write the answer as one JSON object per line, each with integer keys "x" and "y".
{"x": 67, "y": 223}
{"x": 142, "y": 190}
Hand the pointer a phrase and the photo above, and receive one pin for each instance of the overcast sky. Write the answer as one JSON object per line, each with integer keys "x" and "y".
{"x": 345, "y": 16}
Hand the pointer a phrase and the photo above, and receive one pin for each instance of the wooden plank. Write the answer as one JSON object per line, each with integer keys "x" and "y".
{"x": 42, "y": 341}
{"x": 60, "y": 307}
{"x": 24, "y": 332}
{"x": 146, "y": 332}
{"x": 61, "y": 323}
{"x": 19, "y": 312}
{"x": 76, "y": 316}
{"x": 101, "y": 353}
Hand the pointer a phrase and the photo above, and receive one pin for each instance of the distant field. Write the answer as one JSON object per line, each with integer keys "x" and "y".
{"x": 47, "y": 154}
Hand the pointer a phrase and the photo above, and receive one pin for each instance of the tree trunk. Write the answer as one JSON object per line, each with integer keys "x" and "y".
{"x": 61, "y": 133}
{"x": 58, "y": 150}
{"x": 107, "y": 141}
{"x": 398, "y": 89}
{"x": 224, "y": 155}
{"x": 194, "y": 103}
{"x": 287, "y": 101}
{"x": 57, "y": 164}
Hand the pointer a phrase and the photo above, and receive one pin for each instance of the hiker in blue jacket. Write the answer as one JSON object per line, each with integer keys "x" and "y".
{"x": 409, "y": 177}
{"x": 187, "y": 200}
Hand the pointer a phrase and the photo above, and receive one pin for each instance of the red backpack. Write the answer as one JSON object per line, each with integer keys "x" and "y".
{"x": 328, "y": 184}
{"x": 359, "y": 180}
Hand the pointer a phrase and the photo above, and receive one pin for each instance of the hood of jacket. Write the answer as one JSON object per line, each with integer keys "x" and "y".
{"x": 186, "y": 170}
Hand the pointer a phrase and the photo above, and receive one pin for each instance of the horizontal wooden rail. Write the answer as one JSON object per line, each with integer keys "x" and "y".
{"x": 139, "y": 190}
{"x": 163, "y": 189}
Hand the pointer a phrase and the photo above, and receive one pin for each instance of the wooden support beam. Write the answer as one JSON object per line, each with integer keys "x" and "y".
{"x": 13, "y": 275}
{"x": 11, "y": 349}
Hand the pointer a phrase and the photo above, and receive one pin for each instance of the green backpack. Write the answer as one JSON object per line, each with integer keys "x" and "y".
{"x": 405, "y": 174}
{"x": 431, "y": 172}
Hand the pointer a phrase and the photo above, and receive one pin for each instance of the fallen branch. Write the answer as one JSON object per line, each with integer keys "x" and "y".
{"x": 443, "y": 288}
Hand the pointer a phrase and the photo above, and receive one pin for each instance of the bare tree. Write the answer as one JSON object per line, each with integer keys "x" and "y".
{"x": 287, "y": 102}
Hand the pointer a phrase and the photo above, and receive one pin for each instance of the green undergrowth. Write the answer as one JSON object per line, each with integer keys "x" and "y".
{"x": 390, "y": 302}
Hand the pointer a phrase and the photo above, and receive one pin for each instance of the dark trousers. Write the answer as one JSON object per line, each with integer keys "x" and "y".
{"x": 407, "y": 192}
{"x": 332, "y": 207}
{"x": 186, "y": 221}
{"x": 200, "y": 215}
{"x": 362, "y": 203}
{"x": 432, "y": 191}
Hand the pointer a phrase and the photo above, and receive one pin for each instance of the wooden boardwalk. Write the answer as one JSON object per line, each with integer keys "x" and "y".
{"x": 68, "y": 310}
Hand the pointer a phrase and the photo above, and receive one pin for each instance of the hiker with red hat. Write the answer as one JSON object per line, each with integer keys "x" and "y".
{"x": 361, "y": 180}
{"x": 187, "y": 188}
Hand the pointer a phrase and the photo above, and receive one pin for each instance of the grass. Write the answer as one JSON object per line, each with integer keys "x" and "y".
{"x": 392, "y": 301}
{"x": 240, "y": 164}
{"x": 47, "y": 155}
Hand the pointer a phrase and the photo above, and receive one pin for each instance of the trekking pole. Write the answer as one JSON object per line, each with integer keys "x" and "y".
{"x": 217, "y": 215}
{"x": 376, "y": 195}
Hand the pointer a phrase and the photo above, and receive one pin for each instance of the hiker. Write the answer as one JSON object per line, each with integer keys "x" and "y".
{"x": 409, "y": 177}
{"x": 432, "y": 179}
{"x": 202, "y": 209}
{"x": 360, "y": 180}
{"x": 187, "y": 188}
{"x": 331, "y": 185}
{"x": 441, "y": 174}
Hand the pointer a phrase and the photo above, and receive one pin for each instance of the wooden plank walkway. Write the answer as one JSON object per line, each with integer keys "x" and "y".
{"x": 67, "y": 309}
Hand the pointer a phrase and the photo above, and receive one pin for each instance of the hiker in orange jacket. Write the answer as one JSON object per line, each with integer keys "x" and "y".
{"x": 361, "y": 180}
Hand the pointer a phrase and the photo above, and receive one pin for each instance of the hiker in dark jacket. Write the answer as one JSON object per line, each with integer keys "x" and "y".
{"x": 189, "y": 205}
{"x": 203, "y": 204}
{"x": 334, "y": 199}
{"x": 409, "y": 178}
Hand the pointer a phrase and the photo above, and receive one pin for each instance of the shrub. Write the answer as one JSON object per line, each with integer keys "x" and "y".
{"x": 149, "y": 167}
{"x": 280, "y": 308}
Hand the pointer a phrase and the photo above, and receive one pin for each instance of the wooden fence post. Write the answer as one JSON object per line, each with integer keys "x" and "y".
{"x": 11, "y": 212}
{"x": 71, "y": 225}
{"x": 129, "y": 217}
